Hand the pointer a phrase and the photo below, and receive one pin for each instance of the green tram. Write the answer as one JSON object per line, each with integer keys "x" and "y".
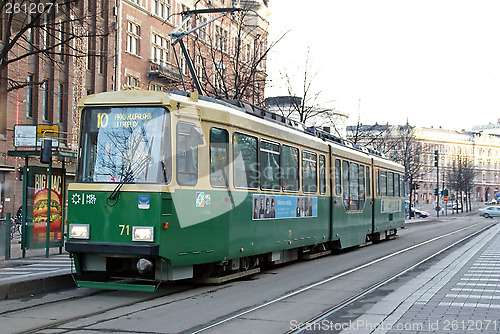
{"x": 172, "y": 186}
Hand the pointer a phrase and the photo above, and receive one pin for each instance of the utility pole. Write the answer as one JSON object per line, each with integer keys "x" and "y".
{"x": 436, "y": 164}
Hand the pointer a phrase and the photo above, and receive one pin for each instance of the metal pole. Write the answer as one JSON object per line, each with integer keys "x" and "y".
{"x": 25, "y": 207}
{"x": 437, "y": 186}
{"x": 63, "y": 215}
{"x": 7, "y": 236}
{"x": 49, "y": 188}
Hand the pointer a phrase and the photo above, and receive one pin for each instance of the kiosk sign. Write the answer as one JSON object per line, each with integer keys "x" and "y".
{"x": 39, "y": 212}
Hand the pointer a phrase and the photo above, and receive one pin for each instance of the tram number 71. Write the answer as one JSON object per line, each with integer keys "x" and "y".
{"x": 124, "y": 228}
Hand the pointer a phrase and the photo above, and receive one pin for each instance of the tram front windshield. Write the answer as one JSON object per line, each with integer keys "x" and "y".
{"x": 122, "y": 144}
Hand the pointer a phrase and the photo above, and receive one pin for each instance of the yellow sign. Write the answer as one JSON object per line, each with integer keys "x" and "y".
{"x": 47, "y": 131}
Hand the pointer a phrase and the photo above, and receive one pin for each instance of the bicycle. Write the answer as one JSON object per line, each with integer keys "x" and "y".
{"x": 15, "y": 227}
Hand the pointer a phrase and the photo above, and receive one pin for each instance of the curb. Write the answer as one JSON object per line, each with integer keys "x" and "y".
{"x": 31, "y": 287}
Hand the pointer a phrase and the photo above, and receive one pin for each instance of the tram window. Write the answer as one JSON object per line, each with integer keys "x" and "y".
{"x": 354, "y": 187}
{"x": 390, "y": 184}
{"x": 402, "y": 186}
{"x": 187, "y": 154}
{"x": 383, "y": 183}
{"x": 345, "y": 185}
{"x": 396, "y": 185}
{"x": 322, "y": 175}
{"x": 368, "y": 183}
{"x": 245, "y": 166}
{"x": 361, "y": 176}
{"x": 270, "y": 174}
{"x": 338, "y": 177}
{"x": 219, "y": 147}
{"x": 290, "y": 167}
{"x": 309, "y": 172}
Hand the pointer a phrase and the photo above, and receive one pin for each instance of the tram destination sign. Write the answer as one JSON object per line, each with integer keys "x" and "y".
{"x": 32, "y": 135}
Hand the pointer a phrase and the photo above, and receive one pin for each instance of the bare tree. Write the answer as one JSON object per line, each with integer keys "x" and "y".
{"x": 50, "y": 30}
{"x": 305, "y": 106}
{"x": 461, "y": 181}
{"x": 229, "y": 55}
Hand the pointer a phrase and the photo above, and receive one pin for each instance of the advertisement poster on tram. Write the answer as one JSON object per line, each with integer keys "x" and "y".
{"x": 38, "y": 212}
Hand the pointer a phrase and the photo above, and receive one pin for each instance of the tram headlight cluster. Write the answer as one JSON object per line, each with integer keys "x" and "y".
{"x": 79, "y": 231}
{"x": 142, "y": 233}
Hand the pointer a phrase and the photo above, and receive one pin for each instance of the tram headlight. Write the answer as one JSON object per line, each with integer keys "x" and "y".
{"x": 142, "y": 233}
{"x": 79, "y": 231}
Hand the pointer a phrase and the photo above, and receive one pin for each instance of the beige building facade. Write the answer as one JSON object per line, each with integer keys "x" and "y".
{"x": 482, "y": 149}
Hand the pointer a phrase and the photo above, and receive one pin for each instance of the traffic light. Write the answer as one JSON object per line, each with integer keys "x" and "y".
{"x": 436, "y": 158}
{"x": 445, "y": 192}
{"x": 436, "y": 191}
{"x": 46, "y": 151}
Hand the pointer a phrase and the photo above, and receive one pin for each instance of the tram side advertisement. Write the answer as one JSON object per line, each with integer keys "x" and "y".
{"x": 38, "y": 210}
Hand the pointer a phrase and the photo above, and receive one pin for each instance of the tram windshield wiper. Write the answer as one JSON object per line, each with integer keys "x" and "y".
{"x": 129, "y": 177}
{"x": 124, "y": 180}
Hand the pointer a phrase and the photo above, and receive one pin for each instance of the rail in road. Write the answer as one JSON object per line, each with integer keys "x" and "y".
{"x": 269, "y": 302}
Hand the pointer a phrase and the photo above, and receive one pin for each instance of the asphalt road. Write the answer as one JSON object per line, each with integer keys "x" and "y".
{"x": 270, "y": 302}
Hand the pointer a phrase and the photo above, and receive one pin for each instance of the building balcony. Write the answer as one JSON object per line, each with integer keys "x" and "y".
{"x": 163, "y": 70}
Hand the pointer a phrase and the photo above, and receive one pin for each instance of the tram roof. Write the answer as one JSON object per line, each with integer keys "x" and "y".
{"x": 146, "y": 97}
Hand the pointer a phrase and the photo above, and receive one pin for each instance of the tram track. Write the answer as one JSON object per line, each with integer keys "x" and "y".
{"x": 358, "y": 296}
{"x": 379, "y": 284}
{"x": 175, "y": 294}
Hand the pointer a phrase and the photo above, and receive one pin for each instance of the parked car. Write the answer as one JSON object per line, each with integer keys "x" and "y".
{"x": 490, "y": 211}
{"x": 493, "y": 201}
{"x": 454, "y": 206}
{"x": 419, "y": 213}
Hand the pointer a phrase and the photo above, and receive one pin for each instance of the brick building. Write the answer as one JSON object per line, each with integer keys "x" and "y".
{"x": 116, "y": 43}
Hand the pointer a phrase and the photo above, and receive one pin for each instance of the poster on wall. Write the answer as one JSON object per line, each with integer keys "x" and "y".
{"x": 38, "y": 211}
{"x": 279, "y": 206}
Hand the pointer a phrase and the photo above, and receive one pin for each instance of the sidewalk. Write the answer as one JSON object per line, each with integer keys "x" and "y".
{"x": 34, "y": 273}
{"x": 459, "y": 294}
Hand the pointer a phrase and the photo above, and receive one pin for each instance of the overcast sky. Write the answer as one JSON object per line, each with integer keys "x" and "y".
{"x": 435, "y": 62}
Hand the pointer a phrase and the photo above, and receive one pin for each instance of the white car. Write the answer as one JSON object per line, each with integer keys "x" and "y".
{"x": 419, "y": 213}
{"x": 490, "y": 212}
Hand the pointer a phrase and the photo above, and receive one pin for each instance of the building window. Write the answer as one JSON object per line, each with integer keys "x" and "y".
{"x": 184, "y": 65}
{"x": 45, "y": 100}
{"x": 132, "y": 81}
{"x": 161, "y": 8}
{"x": 200, "y": 67}
{"x": 101, "y": 56}
{"x": 133, "y": 31}
{"x": 221, "y": 37}
{"x": 45, "y": 32}
{"x": 159, "y": 49}
{"x": 89, "y": 52}
{"x": 29, "y": 96}
{"x": 59, "y": 39}
{"x": 60, "y": 102}
{"x": 202, "y": 34}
